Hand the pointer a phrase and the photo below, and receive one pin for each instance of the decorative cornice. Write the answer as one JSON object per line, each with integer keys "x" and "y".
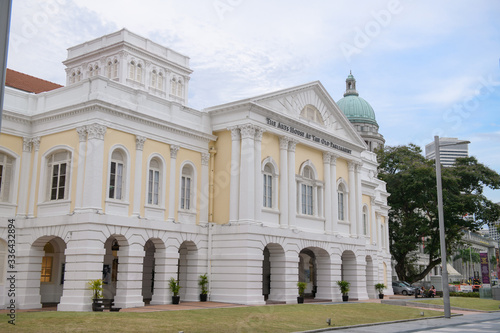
{"x": 139, "y": 142}
{"x": 173, "y": 151}
{"x": 96, "y": 131}
{"x": 205, "y": 157}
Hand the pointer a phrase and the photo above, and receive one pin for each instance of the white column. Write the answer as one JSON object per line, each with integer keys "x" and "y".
{"x": 247, "y": 173}
{"x": 34, "y": 171}
{"x": 82, "y": 136}
{"x": 139, "y": 146}
{"x": 22, "y": 203}
{"x": 352, "y": 199}
{"x": 386, "y": 229}
{"x": 171, "y": 186}
{"x": 292, "y": 185}
{"x": 129, "y": 286}
{"x": 373, "y": 222}
{"x": 335, "y": 200}
{"x": 205, "y": 158}
{"x": 377, "y": 231}
{"x": 328, "y": 192}
{"x": 92, "y": 195}
{"x": 283, "y": 182}
{"x": 234, "y": 186}
{"x": 359, "y": 200}
{"x": 258, "y": 174}
{"x": 84, "y": 257}
{"x": 166, "y": 261}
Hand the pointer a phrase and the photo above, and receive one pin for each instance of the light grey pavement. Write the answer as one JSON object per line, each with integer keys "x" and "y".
{"x": 483, "y": 322}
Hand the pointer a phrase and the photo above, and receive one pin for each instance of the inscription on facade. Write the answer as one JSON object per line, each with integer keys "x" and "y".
{"x": 306, "y": 135}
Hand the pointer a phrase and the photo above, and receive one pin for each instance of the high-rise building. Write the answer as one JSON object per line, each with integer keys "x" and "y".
{"x": 493, "y": 229}
{"x": 448, "y": 153}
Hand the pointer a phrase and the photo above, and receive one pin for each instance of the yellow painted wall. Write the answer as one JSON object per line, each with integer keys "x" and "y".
{"x": 271, "y": 147}
{"x": 112, "y": 138}
{"x": 303, "y": 153}
{"x": 342, "y": 170}
{"x": 154, "y": 147}
{"x": 67, "y": 138}
{"x": 222, "y": 177}
{"x": 184, "y": 155}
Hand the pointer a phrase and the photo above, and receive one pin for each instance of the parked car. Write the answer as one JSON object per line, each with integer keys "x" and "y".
{"x": 404, "y": 288}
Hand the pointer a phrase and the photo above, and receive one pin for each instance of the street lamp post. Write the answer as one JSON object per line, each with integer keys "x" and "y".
{"x": 442, "y": 239}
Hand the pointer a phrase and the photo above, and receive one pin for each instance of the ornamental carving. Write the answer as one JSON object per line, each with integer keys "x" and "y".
{"x": 139, "y": 142}
{"x": 173, "y": 151}
{"x": 258, "y": 133}
{"x": 292, "y": 144}
{"x": 26, "y": 144}
{"x": 247, "y": 131}
{"x": 333, "y": 159}
{"x": 284, "y": 142}
{"x": 235, "y": 133}
{"x": 96, "y": 131}
{"x": 36, "y": 143}
{"x": 326, "y": 157}
{"x": 82, "y": 133}
{"x": 205, "y": 157}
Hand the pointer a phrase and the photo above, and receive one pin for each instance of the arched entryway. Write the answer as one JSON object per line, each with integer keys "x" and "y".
{"x": 273, "y": 273}
{"x": 370, "y": 278}
{"x": 314, "y": 269}
{"x": 348, "y": 271}
{"x": 111, "y": 264}
{"x": 188, "y": 271}
{"x": 148, "y": 271}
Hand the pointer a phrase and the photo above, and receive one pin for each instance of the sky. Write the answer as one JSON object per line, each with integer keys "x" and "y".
{"x": 426, "y": 67}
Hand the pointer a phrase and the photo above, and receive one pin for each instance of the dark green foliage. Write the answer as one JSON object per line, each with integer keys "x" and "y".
{"x": 413, "y": 217}
{"x": 458, "y": 294}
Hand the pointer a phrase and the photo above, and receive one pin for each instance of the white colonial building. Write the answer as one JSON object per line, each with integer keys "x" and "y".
{"x": 113, "y": 176}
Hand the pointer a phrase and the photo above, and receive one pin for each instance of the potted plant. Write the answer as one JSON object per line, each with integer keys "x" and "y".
{"x": 380, "y": 288}
{"x": 174, "y": 288}
{"x": 203, "y": 283}
{"x": 302, "y": 287}
{"x": 96, "y": 287}
{"x": 344, "y": 289}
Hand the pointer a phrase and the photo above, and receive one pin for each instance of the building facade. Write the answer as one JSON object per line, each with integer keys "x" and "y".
{"x": 113, "y": 176}
{"x": 449, "y": 152}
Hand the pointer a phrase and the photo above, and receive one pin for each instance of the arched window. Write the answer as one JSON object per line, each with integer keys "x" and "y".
{"x": 154, "y": 182}
{"x": 187, "y": 177}
{"x": 154, "y": 79}
{"x": 131, "y": 73}
{"x": 6, "y": 172}
{"x": 72, "y": 78}
{"x": 173, "y": 86}
{"x": 109, "y": 70}
{"x": 179, "y": 88}
{"x": 311, "y": 113}
{"x": 270, "y": 183}
{"x": 365, "y": 220}
{"x": 139, "y": 73}
{"x": 160, "y": 81}
{"x": 78, "y": 76}
{"x": 58, "y": 167}
{"x": 116, "y": 175}
{"x": 342, "y": 201}
{"x": 310, "y": 191}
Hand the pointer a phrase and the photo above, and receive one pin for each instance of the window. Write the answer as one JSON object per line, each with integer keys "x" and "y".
{"x": 365, "y": 220}
{"x": 112, "y": 69}
{"x": 342, "y": 202}
{"x": 6, "y": 163}
{"x": 131, "y": 73}
{"x": 47, "y": 261}
{"x": 268, "y": 187}
{"x": 177, "y": 87}
{"x": 154, "y": 182}
{"x": 187, "y": 187}
{"x": 174, "y": 86}
{"x": 58, "y": 168}
{"x": 310, "y": 191}
{"x": 160, "y": 81}
{"x": 139, "y": 73}
{"x": 116, "y": 175}
{"x": 311, "y": 113}
{"x": 153, "y": 79}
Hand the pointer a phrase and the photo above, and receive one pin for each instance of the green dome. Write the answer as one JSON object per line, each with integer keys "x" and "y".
{"x": 357, "y": 110}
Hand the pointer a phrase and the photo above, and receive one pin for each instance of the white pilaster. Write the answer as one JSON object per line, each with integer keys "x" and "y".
{"x": 171, "y": 184}
{"x": 373, "y": 222}
{"x": 377, "y": 231}
{"x": 334, "y": 199}
{"x": 80, "y": 172}
{"x": 166, "y": 262}
{"x": 204, "y": 202}
{"x": 129, "y": 284}
{"x": 352, "y": 199}
{"x": 386, "y": 229}
{"x": 34, "y": 170}
{"x": 22, "y": 204}
{"x": 92, "y": 195}
{"x": 292, "y": 185}
{"x": 283, "y": 182}
{"x": 328, "y": 192}
{"x": 258, "y": 174}
{"x": 359, "y": 200}
{"x": 234, "y": 187}
{"x": 139, "y": 146}
{"x": 247, "y": 174}
{"x": 28, "y": 266}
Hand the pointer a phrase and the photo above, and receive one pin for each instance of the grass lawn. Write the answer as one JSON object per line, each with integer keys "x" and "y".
{"x": 278, "y": 318}
{"x": 468, "y": 303}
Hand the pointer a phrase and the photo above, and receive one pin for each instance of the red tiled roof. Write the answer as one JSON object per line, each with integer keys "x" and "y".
{"x": 28, "y": 83}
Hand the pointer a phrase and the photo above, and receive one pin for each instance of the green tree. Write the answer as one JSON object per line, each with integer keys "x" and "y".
{"x": 413, "y": 217}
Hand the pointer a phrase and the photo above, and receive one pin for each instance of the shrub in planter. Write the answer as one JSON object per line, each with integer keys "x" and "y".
{"x": 344, "y": 289}
{"x": 203, "y": 283}
{"x": 380, "y": 288}
{"x": 302, "y": 287}
{"x": 96, "y": 287}
{"x": 174, "y": 286}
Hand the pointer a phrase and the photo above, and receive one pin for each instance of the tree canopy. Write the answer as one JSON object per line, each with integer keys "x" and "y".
{"x": 413, "y": 216}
